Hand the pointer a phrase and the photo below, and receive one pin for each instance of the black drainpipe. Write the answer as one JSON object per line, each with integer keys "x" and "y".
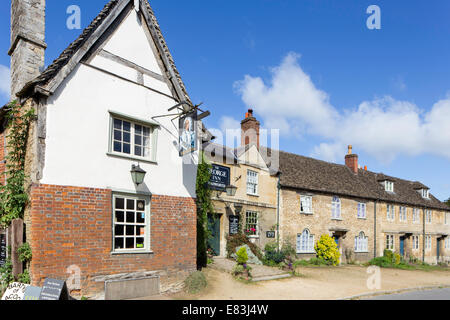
{"x": 375, "y": 230}
{"x": 424, "y": 232}
{"x": 278, "y": 210}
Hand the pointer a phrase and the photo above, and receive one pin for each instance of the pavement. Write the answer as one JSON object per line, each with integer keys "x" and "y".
{"x": 435, "y": 294}
{"x": 259, "y": 272}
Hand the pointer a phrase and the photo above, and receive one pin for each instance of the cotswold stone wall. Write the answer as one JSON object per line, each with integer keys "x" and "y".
{"x": 73, "y": 226}
{"x": 320, "y": 222}
{"x": 437, "y": 229}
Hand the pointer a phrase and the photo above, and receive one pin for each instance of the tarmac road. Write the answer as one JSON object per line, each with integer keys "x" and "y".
{"x": 436, "y": 294}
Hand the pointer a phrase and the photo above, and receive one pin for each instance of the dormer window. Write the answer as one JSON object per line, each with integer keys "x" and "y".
{"x": 425, "y": 193}
{"x": 389, "y": 186}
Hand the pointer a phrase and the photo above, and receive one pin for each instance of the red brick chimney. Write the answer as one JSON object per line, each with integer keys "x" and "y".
{"x": 351, "y": 160}
{"x": 250, "y": 130}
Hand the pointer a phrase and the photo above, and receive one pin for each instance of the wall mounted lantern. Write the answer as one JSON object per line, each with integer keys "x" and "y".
{"x": 231, "y": 190}
{"x": 137, "y": 174}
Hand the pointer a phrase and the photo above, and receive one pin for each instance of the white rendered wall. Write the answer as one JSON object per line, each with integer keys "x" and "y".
{"x": 78, "y": 124}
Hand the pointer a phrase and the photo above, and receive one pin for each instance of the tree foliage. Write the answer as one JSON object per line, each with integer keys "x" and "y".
{"x": 204, "y": 206}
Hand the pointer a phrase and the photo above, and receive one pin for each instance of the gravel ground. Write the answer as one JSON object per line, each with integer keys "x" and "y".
{"x": 316, "y": 283}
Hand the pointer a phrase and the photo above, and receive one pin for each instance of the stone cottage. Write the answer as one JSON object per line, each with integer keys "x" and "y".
{"x": 98, "y": 108}
{"x": 365, "y": 212}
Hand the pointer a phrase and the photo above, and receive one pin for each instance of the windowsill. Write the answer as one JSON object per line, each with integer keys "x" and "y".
{"x": 337, "y": 219}
{"x": 307, "y": 213}
{"x": 253, "y": 237}
{"x": 253, "y": 195}
{"x": 312, "y": 252}
{"x": 360, "y": 218}
{"x": 130, "y": 157}
{"x": 117, "y": 253}
{"x": 361, "y": 251}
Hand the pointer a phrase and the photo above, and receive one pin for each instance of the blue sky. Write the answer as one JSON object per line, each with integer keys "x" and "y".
{"x": 311, "y": 68}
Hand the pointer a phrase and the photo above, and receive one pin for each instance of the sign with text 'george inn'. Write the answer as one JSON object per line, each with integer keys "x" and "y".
{"x": 3, "y": 249}
{"x": 220, "y": 177}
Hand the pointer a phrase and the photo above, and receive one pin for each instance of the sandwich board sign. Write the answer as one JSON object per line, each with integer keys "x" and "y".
{"x": 54, "y": 289}
{"x": 15, "y": 291}
{"x": 32, "y": 293}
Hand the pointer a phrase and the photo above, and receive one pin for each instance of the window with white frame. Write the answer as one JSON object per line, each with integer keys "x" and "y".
{"x": 305, "y": 242}
{"x": 252, "y": 182}
{"x": 361, "y": 243}
{"x": 131, "y": 223}
{"x": 132, "y": 139}
{"x": 362, "y": 208}
{"x": 336, "y": 208}
{"x": 390, "y": 242}
{"x": 428, "y": 243}
{"x": 428, "y": 216}
{"x": 251, "y": 223}
{"x": 389, "y": 186}
{"x": 390, "y": 212}
{"x": 402, "y": 214}
{"x": 415, "y": 242}
{"x": 447, "y": 218}
{"x": 416, "y": 215}
{"x": 425, "y": 193}
{"x": 447, "y": 242}
{"x": 306, "y": 204}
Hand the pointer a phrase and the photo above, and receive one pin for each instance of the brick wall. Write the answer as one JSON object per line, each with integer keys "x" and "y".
{"x": 73, "y": 226}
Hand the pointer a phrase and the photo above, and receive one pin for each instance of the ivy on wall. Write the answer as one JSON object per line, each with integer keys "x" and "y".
{"x": 13, "y": 197}
{"x": 204, "y": 206}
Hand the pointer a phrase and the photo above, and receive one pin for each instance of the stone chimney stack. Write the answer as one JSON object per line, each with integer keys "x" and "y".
{"x": 351, "y": 160}
{"x": 27, "y": 42}
{"x": 250, "y": 130}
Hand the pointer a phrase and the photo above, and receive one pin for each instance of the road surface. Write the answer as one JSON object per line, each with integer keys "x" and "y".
{"x": 436, "y": 294}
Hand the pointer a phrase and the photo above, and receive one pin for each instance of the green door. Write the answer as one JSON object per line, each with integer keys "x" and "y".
{"x": 214, "y": 229}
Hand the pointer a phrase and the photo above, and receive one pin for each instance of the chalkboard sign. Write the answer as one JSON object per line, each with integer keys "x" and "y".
{"x": 32, "y": 293}
{"x": 2, "y": 249}
{"x": 54, "y": 290}
{"x": 220, "y": 177}
{"x": 15, "y": 291}
{"x": 234, "y": 225}
{"x": 270, "y": 234}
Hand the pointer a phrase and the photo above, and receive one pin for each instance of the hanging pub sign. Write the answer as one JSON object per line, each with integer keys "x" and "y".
{"x": 234, "y": 225}
{"x": 220, "y": 177}
{"x": 3, "y": 249}
{"x": 188, "y": 134}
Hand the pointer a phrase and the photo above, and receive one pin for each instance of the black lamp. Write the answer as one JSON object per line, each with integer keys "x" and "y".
{"x": 137, "y": 174}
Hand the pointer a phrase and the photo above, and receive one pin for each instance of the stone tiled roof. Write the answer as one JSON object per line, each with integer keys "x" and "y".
{"x": 309, "y": 174}
{"x": 53, "y": 69}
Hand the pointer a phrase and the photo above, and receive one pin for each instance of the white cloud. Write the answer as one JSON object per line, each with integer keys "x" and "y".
{"x": 229, "y": 123}
{"x": 5, "y": 81}
{"x": 383, "y": 127}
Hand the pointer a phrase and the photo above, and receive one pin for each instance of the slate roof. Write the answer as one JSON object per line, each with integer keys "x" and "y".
{"x": 303, "y": 173}
{"x": 53, "y": 69}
